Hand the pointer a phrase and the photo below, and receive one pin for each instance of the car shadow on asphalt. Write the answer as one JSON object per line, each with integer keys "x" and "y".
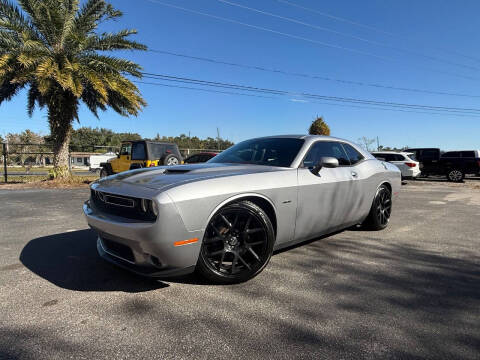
{"x": 70, "y": 261}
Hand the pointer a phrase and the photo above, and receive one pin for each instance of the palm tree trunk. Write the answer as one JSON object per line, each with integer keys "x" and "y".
{"x": 61, "y": 113}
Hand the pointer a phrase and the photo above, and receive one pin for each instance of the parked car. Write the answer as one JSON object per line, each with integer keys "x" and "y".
{"x": 140, "y": 154}
{"x": 199, "y": 157}
{"x": 452, "y": 164}
{"x": 225, "y": 217}
{"x": 96, "y": 161}
{"x": 405, "y": 161}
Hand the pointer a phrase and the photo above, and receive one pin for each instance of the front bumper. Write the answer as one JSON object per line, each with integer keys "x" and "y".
{"x": 146, "y": 248}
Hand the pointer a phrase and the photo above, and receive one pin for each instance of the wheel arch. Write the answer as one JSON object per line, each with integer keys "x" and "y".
{"x": 107, "y": 166}
{"x": 388, "y": 185}
{"x": 260, "y": 200}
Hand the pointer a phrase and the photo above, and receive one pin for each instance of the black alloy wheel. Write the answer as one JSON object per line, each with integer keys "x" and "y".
{"x": 381, "y": 209}
{"x": 237, "y": 245}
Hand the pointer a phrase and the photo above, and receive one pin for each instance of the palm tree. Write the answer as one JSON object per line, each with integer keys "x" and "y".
{"x": 319, "y": 127}
{"x": 53, "y": 48}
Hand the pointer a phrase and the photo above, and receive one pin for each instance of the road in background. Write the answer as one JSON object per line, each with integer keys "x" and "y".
{"x": 411, "y": 291}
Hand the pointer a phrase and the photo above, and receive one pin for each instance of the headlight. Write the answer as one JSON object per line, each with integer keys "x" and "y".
{"x": 154, "y": 207}
{"x": 144, "y": 205}
{"x": 149, "y": 206}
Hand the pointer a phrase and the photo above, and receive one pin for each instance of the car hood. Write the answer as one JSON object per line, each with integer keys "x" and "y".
{"x": 169, "y": 176}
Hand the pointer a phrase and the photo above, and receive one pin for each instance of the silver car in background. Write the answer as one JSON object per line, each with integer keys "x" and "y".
{"x": 224, "y": 218}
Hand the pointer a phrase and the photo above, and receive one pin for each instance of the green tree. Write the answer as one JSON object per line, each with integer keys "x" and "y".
{"x": 53, "y": 48}
{"x": 319, "y": 127}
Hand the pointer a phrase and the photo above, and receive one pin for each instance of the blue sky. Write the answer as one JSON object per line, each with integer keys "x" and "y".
{"x": 443, "y": 55}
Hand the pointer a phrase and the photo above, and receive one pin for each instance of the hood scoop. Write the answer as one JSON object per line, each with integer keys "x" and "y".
{"x": 177, "y": 171}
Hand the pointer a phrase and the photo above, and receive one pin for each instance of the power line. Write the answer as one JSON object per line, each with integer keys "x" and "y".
{"x": 371, "y": 28}
{"x": 310, "y": 95}
{"x": 321, "y": 28}
{"x": 206, "y": 90}
{"x": 268, "y": 30}
{"x": 317, "y": 77}
{"x": 297, "y": 37}
{"x": 310, "y": 101}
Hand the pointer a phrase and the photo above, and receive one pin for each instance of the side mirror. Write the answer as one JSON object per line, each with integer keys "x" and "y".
{"x": 326, "y": 161}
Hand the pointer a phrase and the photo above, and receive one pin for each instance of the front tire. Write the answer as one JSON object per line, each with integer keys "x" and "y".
{"x": 104, "y": 172}
{"x": 237, "y": 245}
{"x": 381, "y": 209}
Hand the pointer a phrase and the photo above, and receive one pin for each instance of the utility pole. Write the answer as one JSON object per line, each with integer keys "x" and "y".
{"x": 378, "y": 144}
{"x": 218, "y": 138}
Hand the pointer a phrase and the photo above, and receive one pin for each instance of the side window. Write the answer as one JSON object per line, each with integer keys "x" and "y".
{"x": 399, "y": 157}
{"x": 451, "y": 154}
{"x": 325, "y": 148}
{"x": 193, "y": 159}
{"x": 126, "y": 149}
{"x": 468, "y": 154}
{"x": 353, "y": 154}
{"x": 428, "y": 155}
{"x": 138, "y": 151}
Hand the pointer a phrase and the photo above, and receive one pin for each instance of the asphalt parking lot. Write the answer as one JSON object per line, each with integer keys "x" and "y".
{"x": 411, "y": 291}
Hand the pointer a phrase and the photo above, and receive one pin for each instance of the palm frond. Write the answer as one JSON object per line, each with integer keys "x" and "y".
{"x": 117, "y": 41}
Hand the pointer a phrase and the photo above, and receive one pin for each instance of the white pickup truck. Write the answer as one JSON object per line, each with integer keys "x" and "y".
{"x": 96, "y": 160}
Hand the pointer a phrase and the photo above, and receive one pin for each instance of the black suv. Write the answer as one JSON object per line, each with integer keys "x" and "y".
{"x": 453, "y": 164}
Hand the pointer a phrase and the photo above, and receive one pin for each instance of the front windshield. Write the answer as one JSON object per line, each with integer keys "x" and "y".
{"x": 266, "y": 151}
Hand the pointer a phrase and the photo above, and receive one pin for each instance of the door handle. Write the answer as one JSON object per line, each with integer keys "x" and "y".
{"x": 354, "y": 174}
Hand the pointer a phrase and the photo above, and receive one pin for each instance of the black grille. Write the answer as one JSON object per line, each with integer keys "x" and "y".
{"x": 118, "y": 249}
{"x": 124, "y": 206}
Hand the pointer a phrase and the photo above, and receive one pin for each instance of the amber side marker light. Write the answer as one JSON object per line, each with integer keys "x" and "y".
{"x": 185, "y": 242}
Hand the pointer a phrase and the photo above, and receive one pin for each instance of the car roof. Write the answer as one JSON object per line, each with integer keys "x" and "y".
{"x": 392, "y": 152}
{"x": 205, "y": 153}
{"x": 149, "y": 141}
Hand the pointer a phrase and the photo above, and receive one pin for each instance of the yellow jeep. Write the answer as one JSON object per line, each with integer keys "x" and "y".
{"x": 141, "y": 153}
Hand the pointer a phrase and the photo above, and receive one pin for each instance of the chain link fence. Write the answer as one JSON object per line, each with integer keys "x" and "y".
{"x": 19, "y": 159}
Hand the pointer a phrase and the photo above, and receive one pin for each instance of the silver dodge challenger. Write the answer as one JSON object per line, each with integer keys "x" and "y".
{"x": 224, "y": 218}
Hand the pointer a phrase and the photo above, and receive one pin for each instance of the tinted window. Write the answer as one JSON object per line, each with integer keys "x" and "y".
{"x": 172, "y": 149}
{"x": 156, "y": 151}
{"x": 353, "y": 154}
{"x": 412, "y": 157}
{"x": 451, "y": 154}
{"x": 468, "y": 154}
{"x": 325, "y": 148}
{"x": 138, "y": 151}
{"x": 126, "y": 149}
{"x": 266, "y": 151}
{"x": 205, "y": 158}
{"x": 429, "y": 154}
{"x": 192, "y": 159}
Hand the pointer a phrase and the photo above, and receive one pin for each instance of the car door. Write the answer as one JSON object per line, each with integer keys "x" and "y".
{"x": 125, "y": 157}
{"x": 364, "y": 186}
{"x": 399, "y": 161}
{"x": 469, "y": 162}
{"x": 324, "y": 199}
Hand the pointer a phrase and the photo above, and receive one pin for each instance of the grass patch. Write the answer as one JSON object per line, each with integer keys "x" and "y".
{"x": 41, "y": 181}
{"x": 22, "y": 169}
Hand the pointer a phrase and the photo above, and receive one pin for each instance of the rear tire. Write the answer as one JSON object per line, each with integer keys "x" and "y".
{"x": 171, "y": 159}
{"x": 381, "y": 210}
{"x": 455, "y": 175}
{"x": 237, "y": 245}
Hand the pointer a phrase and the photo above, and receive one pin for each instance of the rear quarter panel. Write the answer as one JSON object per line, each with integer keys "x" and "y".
{"x": 371, "y": 174}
